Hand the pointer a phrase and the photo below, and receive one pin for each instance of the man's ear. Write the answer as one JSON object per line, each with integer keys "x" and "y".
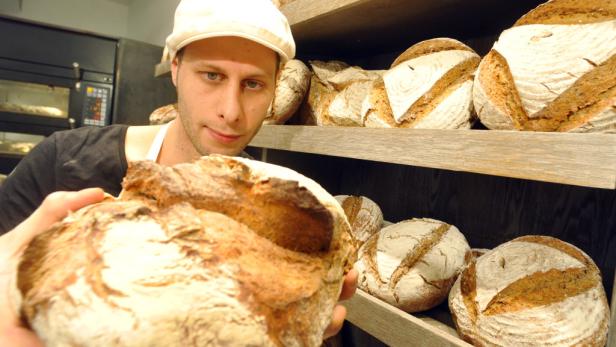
{"x": 174, "y": 70}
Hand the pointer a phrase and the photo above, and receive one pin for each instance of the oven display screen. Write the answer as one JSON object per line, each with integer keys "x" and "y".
{"x": 96, "y": 105}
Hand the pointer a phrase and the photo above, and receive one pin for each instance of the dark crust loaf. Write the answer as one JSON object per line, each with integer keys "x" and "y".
{"x": 229, "y": 189}
{"x": 287, "y": 274}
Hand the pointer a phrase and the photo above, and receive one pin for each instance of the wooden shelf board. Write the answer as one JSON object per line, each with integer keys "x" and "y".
{"x": 162, "y": 69}
{"x": 393, "y": 326}
{"x": 611, "y": 339}
{"x": 578, "y": 159}
{"x": 359, "y": 25}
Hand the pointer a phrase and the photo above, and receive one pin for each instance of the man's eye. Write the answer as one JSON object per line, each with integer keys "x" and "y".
{"x": 253, "y": 84}
{"x": 212, "y": 76}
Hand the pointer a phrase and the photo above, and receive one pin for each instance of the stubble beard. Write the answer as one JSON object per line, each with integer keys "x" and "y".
{"x": 189, "y": 130}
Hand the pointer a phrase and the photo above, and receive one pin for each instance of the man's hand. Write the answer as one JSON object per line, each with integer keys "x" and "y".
{"x": 12, "y": 244}
{"x": 348, "y": 289}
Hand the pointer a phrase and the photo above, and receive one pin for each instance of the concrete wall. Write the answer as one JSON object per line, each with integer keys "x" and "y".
{"x": 142, "y": 20}
{"x": 151, "y": 20}
{"x": 97, "y": 16}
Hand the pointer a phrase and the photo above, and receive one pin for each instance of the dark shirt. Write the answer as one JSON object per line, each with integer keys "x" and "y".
{"x": 67, "y": 160}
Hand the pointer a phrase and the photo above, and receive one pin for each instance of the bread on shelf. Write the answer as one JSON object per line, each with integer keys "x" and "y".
{"x": 429, "y": 86}
{"x": 554, "y": 70}
{"x": 412, "y": 264}
{"x": 364, "y": 215}
{"x": 291, "y": 88}
{"x": 533, "y": 290}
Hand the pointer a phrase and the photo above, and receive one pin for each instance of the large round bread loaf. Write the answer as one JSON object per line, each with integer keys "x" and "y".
{"x": 221, "y": 252}
{"x": 164, "y": 114}
{"x": 554, "y": 70}
{"x": 531, "y": 291}
{"x": 364, "y": 216}
{"x": 429, "y": 86}
{"x": 412, "y": 264}
{"x": 337, "y": 93}
{"x": 291, "y": 88}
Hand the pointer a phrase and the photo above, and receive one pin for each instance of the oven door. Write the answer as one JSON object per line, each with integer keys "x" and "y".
{"x": 36, "y": 104}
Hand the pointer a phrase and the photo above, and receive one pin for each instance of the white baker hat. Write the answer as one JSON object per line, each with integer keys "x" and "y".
{"x": 256, "y": 20}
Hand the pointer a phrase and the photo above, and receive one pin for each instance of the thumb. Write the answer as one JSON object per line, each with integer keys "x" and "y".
{"x": 19, "y": 337}
{"x": 53, "y": 209}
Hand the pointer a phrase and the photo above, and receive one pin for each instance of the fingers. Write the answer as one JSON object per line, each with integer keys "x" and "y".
{"x": 19, "y": 337}
{"x": 338, "y": 317}
{"x": 54, "y": 208}
{"x": 349, "y": 286}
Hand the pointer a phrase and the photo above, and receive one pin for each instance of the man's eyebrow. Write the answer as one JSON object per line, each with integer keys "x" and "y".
{"x": 208, "y": 66}
{"x": 258, "y": 74}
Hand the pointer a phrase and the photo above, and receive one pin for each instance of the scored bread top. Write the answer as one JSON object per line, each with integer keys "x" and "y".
{"x": 364, "y": 215}
{"x": 413, "y": 83}
{"x": 553, "y": 71}
{"x": 274, "y": 201}
{"x": 428, "y": 47}
{"x": 533, "y": 290}
{"x": 497, "y": 270}
{"x": 570, "y": 12}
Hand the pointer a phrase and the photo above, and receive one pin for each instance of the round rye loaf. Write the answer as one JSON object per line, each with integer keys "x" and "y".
{"x": 554, "y": 70}
{"x": 291, "y": 88}
{"x": 531, "y": 291}
{"x": 429, "y": 86}
{"x": 364, "y": 215}
{"x": 412, "y": 264}
{"x": 220, "y": 252}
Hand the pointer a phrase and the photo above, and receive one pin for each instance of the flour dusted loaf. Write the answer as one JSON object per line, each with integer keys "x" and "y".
{"x": 291, "y": 88}
{"x": 531, "y": 291}
{"x": 221, "y": 252}
{"x": 554, "y": 70}
{"x": 337, "y": 93}
{"x": 164, "y": 114}
{"x": 364, "y": 215}
{"x": 429, "y": 86}
{"x": 412, "y": 264}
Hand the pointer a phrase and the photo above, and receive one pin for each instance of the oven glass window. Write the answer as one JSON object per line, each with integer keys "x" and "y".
{"x": 34, "y": 99}
{"x": 18, "y": 144}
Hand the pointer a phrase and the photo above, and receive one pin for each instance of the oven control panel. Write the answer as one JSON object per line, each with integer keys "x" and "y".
{"x": 96, "y": 105}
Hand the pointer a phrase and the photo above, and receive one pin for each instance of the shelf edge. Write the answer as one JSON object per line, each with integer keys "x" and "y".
{"x": 162, "y": 69}
{"x": 611, "y": 337}
{"x": 394, "y": 326}
{"x": 577, "y": 159}
{"x": 301, "y": 11}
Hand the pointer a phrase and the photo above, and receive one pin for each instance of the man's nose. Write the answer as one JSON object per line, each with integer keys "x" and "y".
{"x": 230, "y": 104}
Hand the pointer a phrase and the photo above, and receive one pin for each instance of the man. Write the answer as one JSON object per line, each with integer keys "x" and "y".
{"x": 225, "y": 56}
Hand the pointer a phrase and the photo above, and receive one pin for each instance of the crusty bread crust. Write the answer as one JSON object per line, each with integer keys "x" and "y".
{"x": 181, "y": 259}
{"x": 412, "y": 264}
{"x": 364, "y": 215}
{"x": 555, "y": 70}
{"x": 429, "y": 47}
{"x": 570, "y": 12}
{"x": 531, "y": 291}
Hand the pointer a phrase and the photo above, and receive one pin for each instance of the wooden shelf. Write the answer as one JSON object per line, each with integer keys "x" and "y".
{"x": 162, "y": 69}
{"x": 611, "y": 339}
{"x": 341, "y": 27}
{"x": 396, "y": 327}
{"x": 578, "y": 159}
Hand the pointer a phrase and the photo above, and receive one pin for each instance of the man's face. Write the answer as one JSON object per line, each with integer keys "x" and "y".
{"x": 225, "y": 86}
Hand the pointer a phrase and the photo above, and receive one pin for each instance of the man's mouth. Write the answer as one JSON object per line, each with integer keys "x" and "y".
{"x": 223, "y": 137}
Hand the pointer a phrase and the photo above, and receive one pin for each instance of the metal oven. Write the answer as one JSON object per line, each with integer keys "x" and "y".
{"x": 42, "y": 99}
{"x": 51, "y": 79}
